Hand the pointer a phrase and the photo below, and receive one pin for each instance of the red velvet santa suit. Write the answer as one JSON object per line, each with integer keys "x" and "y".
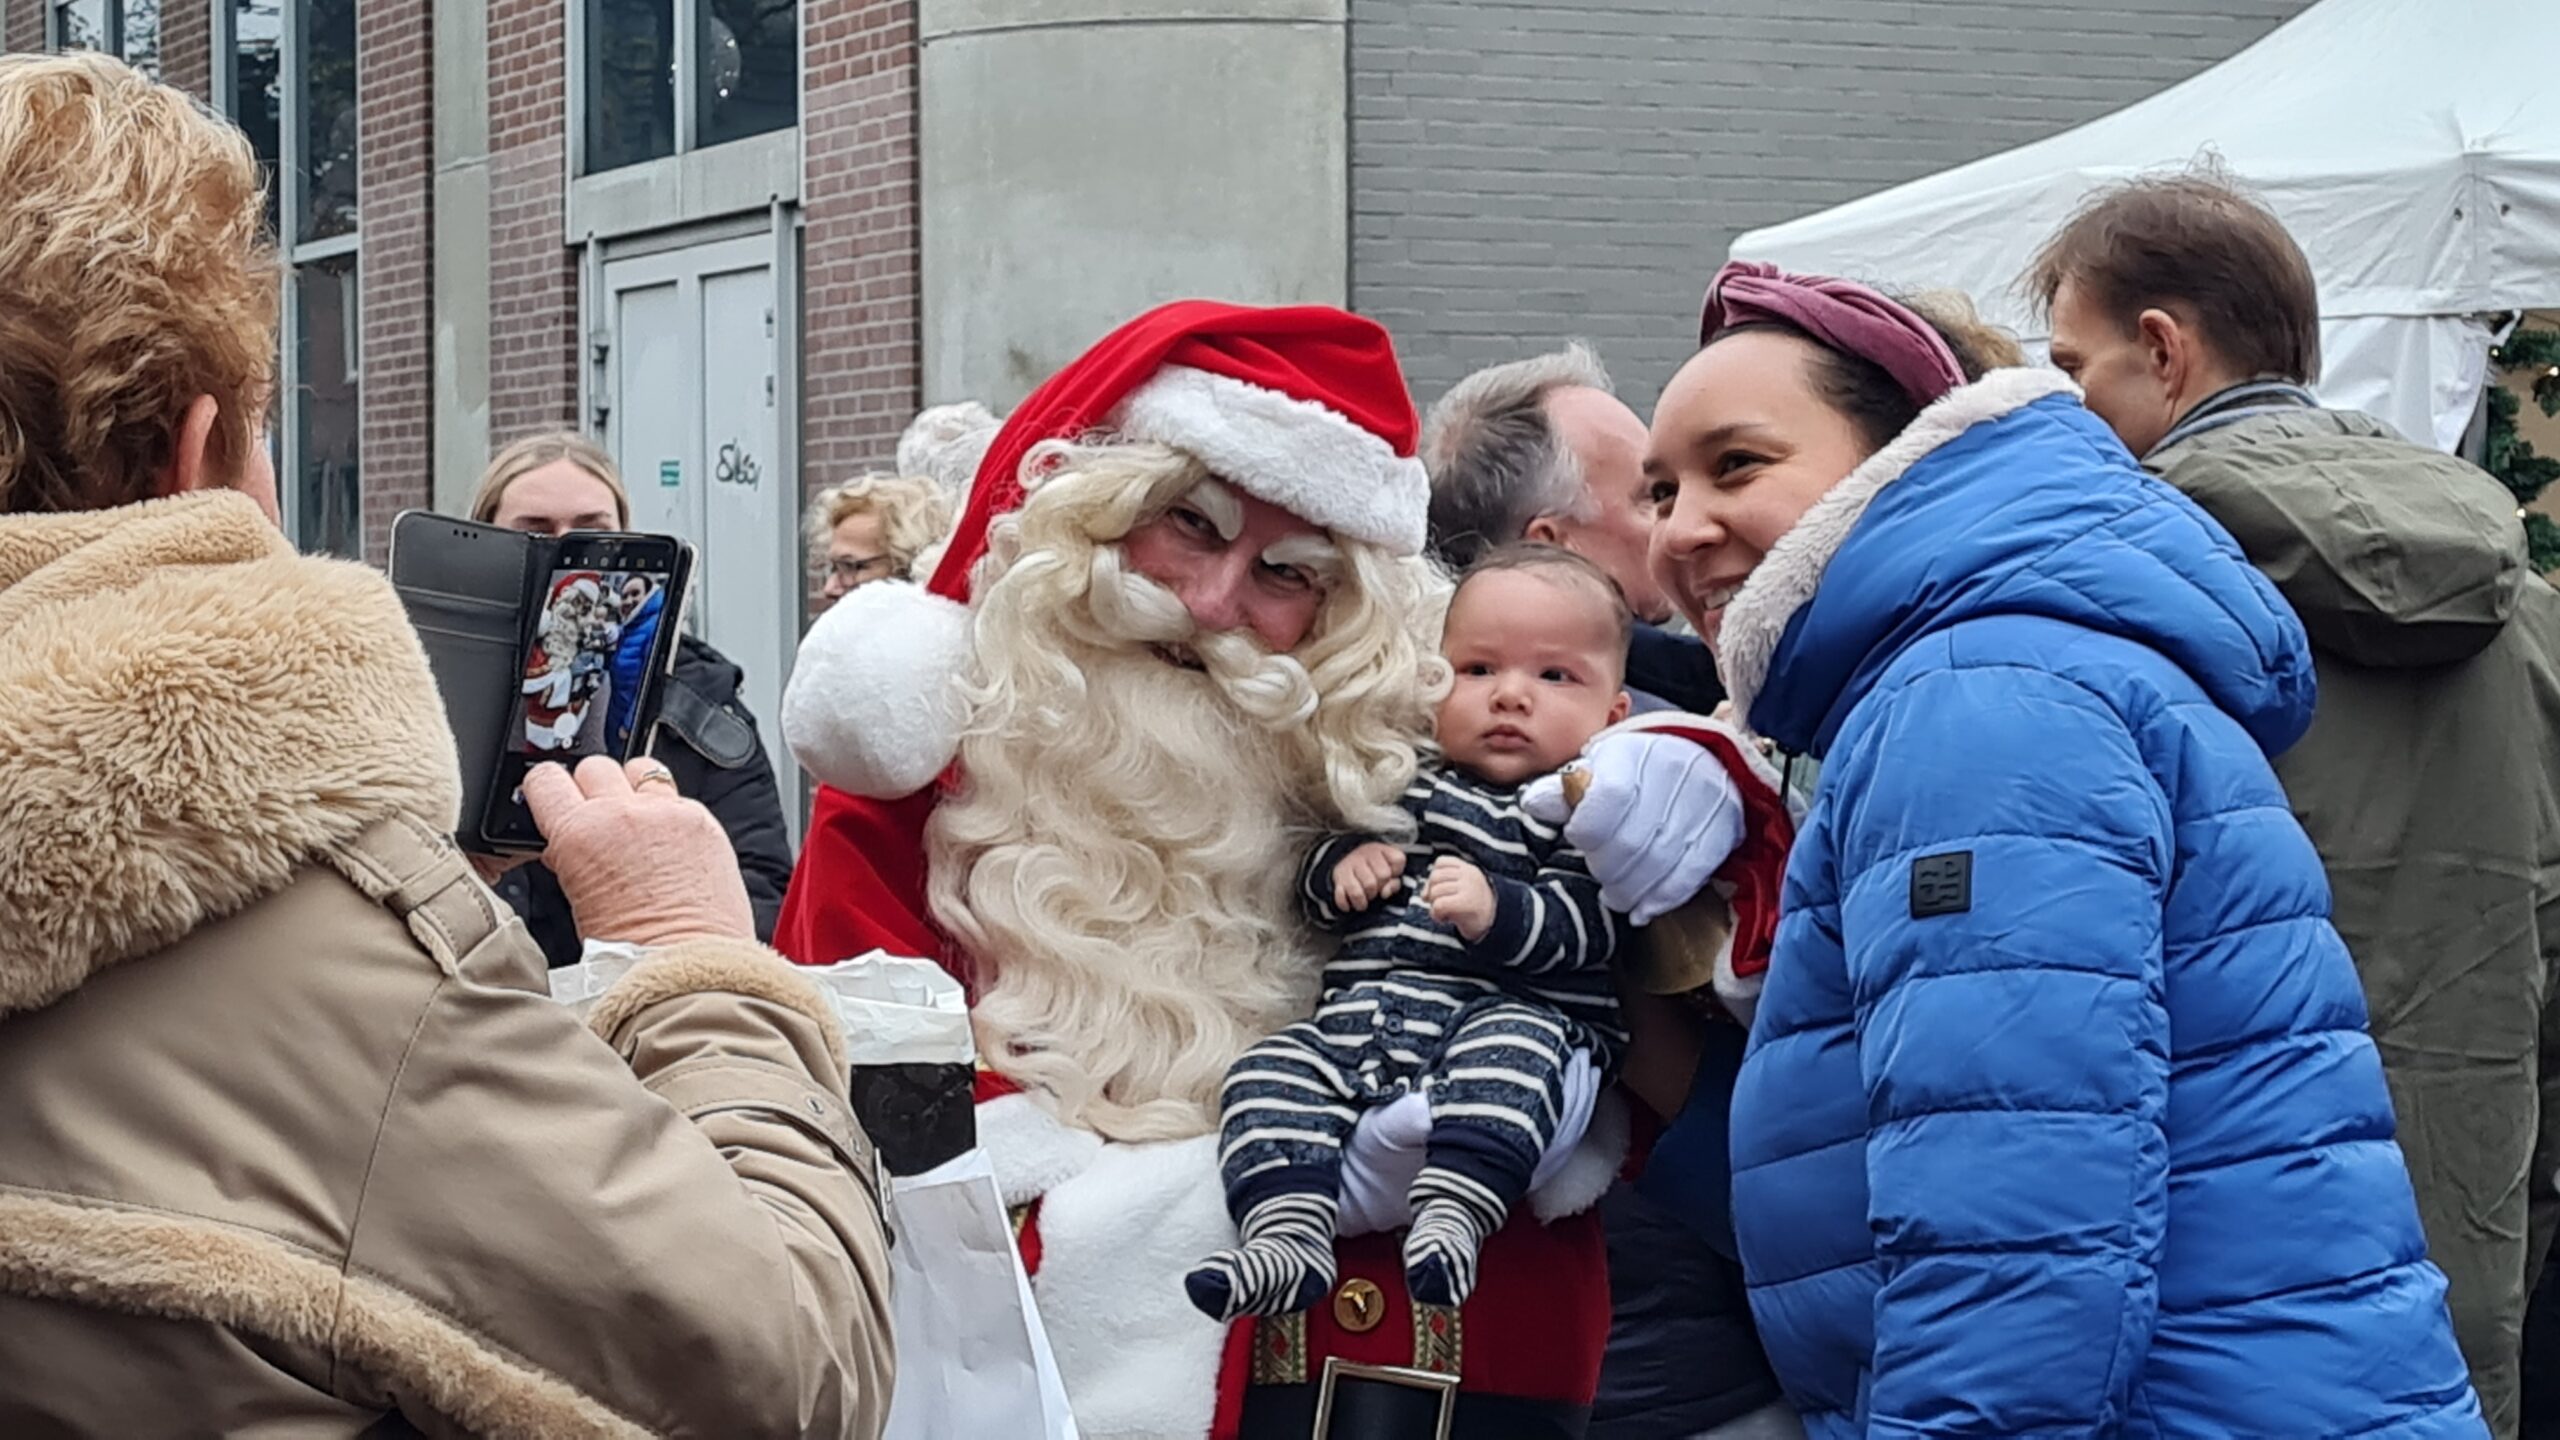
{"x": 1110, "y": 1228}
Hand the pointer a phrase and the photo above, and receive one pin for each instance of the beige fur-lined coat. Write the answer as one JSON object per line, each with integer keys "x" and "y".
{"x": 291, "y": 1140}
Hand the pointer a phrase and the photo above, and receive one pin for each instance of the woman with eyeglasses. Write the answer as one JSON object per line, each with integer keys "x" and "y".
{"x": 875, "y": 528}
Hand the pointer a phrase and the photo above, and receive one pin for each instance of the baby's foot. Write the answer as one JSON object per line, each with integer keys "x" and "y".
{"x": 1285, "y": 1263}
{"x": 1440, "y": 1250}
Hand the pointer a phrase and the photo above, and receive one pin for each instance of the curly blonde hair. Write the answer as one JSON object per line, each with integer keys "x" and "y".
{"x": 913, "y": 515}
{"x": 135, "y": 275}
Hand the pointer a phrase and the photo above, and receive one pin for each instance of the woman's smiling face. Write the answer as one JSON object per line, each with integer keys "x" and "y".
{"x": 1743, "y": 444}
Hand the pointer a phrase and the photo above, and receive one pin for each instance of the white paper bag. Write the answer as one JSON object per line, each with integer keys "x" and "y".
{"x": 898, "y": 1011}
{"x": 972, "y": 1358}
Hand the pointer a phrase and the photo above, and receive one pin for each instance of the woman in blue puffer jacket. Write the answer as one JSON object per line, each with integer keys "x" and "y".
{"x": 2059, "y": 1116}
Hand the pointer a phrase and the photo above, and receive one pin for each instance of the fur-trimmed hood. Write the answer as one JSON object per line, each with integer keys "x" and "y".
{"x": 189, "y": 713}
{"x": 2004, "y": 497}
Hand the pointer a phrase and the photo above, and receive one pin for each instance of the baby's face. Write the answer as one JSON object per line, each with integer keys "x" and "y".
{"x": 1539, "y": 671}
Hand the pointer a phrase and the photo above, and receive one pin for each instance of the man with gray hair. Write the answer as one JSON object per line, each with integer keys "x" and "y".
{"x": 1542, "y": 449}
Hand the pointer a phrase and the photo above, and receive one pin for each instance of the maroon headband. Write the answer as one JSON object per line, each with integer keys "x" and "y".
{"x": 1841, "y": 314}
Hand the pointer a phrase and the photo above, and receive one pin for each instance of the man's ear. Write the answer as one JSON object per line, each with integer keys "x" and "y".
{"x": 190, "y": 464}
{"x": 1544, "y": 531}
{"x": 1619, "y": 707}
{"x": 2169, "y": 348}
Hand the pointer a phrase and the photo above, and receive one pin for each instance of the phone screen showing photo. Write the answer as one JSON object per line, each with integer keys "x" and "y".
{"x": 587, "y": 668}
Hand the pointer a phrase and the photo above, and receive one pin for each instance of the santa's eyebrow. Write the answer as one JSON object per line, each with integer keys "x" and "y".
{"x": 1220, "y": 505}
{"x": 1312, "y": 552}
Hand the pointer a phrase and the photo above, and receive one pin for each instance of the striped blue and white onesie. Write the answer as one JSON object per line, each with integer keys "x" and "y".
{"x": 1483, "y": 1027}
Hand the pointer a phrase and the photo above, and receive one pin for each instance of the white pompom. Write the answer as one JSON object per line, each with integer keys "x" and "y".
{"x": 873, "y": 707}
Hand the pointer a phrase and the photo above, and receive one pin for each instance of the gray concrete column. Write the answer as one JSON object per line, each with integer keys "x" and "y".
{"x": 1084, "y": 159}
{"x": 461, "y": 270}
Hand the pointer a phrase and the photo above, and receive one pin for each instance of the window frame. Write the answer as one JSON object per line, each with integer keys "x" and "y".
{"x": 285, "y": 432}
{"x": 688, "y": 100}
{"x": 693, "y": 186}
{"x": 116, "y": 37}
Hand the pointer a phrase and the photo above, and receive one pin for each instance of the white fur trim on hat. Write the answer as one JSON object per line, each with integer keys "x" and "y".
{"x": 1788, "y": 575}
{"x": 873, "y": 707}
{"x": 1301, "y": 456}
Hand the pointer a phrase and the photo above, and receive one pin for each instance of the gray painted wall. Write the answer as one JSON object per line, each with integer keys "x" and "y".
{"x": 1082, "y": 160}
{"x": 1523, "y": 171}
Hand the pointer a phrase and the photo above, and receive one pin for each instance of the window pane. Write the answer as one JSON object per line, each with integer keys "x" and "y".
{"x": 82, "y": 25}
{"x": 257, "y": 99}
{"x": 328, "y": 92}
{"x": 142, "y": 36}
{"x": 748, "y": 69}
{"x": 328, "y": 510}
{"x": 631, "y": 84}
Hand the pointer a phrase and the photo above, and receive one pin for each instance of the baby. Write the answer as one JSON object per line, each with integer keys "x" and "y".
{"x": 1474, "y": 960}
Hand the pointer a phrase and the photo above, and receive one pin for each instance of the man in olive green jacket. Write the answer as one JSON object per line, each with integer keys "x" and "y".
{"x": 2427, "y": 778}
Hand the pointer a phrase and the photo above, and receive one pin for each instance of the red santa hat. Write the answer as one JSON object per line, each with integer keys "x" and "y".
{"x": 1302, "y": 406}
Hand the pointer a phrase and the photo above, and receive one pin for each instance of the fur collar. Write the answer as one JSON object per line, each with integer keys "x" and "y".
{"x": 189, "y": 713}
{"x": 1792, "y": 570}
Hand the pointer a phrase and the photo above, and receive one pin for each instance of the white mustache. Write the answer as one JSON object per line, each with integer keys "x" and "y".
{"x": 1274, "y": 691}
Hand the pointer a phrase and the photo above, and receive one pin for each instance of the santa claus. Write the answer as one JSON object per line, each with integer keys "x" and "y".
{"x": 1181, "y": 627}
{"x": 565, "y": 667}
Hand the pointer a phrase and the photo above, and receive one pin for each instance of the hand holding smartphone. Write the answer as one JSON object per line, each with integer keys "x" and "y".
{"x": 545, "y": 648}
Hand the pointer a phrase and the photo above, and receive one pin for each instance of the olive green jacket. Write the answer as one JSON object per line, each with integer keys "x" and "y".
{"x": 2427, "y": 782}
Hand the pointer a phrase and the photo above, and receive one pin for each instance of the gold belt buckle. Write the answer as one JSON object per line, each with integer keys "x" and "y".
{"x": 1336, "y": 1368}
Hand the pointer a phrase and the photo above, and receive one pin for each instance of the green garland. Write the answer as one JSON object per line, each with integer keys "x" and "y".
{"x": 2512, "y": 458}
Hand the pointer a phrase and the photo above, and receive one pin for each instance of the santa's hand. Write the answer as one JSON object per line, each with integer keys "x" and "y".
{"x": 1459, "y": 896}
{"x": 1385, "y": 1153}
{"x": 1660, "y": 816}
{"x": 1365, "y": 875}
{"x": 639, "y": 863}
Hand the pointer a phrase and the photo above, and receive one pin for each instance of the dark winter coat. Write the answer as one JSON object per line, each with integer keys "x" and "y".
{"x": 706, "y": 737}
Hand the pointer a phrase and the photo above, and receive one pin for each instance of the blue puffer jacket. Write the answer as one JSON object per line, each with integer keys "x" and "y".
{"x": 2059, "y": 1116}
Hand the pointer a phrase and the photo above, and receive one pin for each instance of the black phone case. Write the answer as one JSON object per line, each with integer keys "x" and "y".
{"x": 465, "y": 586}
{"x": 473, "y": 593}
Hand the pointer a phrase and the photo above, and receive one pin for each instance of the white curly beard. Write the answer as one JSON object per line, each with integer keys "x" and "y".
{"x": 1119, "y": 862}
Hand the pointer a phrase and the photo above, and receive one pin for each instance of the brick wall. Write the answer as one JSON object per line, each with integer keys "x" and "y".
{"x": 186, "y": 45}
{"x": 862, "y": 346}
{"x": 1527, "y": 170}
{"x": 395, "y": 88}
{"x": 533, "y": 275}
{"x": 21, "y": 24}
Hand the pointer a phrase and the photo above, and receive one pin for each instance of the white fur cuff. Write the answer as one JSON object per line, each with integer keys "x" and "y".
{"x": 873, "y": 707}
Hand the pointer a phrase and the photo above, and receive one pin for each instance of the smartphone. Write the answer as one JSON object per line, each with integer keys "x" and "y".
{"x": 604, "y": 620}
{"x": 543, "y": 648}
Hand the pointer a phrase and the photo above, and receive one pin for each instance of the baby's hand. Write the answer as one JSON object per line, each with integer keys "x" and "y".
{"x": 1460, "y": 896}
{"x": 1366, "y": 875}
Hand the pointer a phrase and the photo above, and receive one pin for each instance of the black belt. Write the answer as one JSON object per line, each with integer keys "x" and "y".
{"x": 1379, "y": 1403}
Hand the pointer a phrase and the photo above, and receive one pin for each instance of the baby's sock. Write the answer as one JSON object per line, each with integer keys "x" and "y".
{"x": 1285, "y": 1263}
{"x": 1452, "y": 1216}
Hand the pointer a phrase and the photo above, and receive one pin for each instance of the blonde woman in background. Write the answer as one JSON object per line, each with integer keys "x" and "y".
{"x": 295, "y": 1142}
{"x": 875, "y": 528}
{"x": 559, "y": 481}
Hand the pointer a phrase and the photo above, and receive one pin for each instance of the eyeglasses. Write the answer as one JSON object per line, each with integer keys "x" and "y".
{"x": 858, "y": 570}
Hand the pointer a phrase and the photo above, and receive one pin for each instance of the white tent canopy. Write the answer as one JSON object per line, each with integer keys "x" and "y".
{"x": 2411, "y": 146}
